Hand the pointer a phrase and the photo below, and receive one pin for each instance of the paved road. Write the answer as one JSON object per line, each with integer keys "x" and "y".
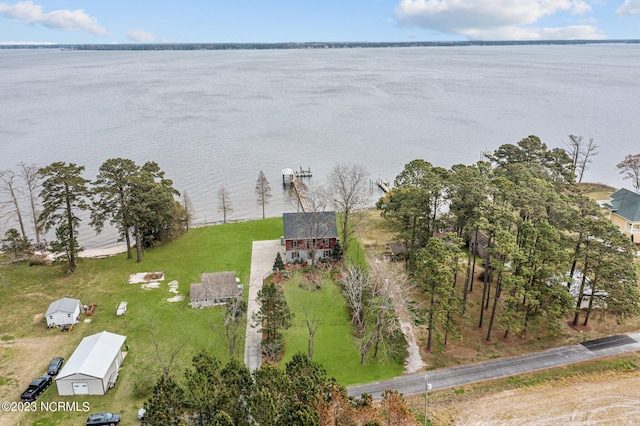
{"x": 263, "y": 254}
{"x": 412, "y": 384}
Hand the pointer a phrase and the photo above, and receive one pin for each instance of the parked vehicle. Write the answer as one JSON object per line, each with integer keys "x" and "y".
{"x": 103, "y": 419}
{"x": 55, "y": 365}
{"x": 36, "y": 388}
{"x": 141, "y": 413}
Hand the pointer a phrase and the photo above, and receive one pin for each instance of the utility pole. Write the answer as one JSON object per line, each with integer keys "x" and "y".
{"x": 427, "y": 388}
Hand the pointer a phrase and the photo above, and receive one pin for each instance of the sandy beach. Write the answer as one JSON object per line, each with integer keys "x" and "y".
{"x": 103, "y": 251}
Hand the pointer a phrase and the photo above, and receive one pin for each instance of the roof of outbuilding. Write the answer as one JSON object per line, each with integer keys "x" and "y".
{"x": 93, "y": 356}
{"x": 66, "y": 304}
{"x": 478, "y": 237}
{"x": 396, "y": 247}
{"x": 215, "y": 285}
{"x": 626, "y": 203}
{"x": 309, "y": 225}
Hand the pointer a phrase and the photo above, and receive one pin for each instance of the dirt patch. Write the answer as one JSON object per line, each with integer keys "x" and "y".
{"x": 154, "y": 276}
{"x": 145, "y": 277}
{"x": 37, "y": 318}
{"x": 30, "y": 357}
{"x": 461, "y": 352}
{"x": 599, "y": 399}
{"x": 579, "y": 328}
{"x": 398, "y": 287}
{"x": 39, "y": 296}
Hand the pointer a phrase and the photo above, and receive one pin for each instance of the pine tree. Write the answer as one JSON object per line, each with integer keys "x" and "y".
{"x": 64, "y": 193}
{"x": 278, "y": 265}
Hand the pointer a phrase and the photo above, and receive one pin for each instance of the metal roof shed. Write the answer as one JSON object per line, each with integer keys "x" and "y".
{"x": 62, "y": 312}
{"x": 93, "y": 367}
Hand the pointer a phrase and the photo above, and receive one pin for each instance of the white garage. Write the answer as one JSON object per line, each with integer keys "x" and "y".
{"x": 93, "y": 367}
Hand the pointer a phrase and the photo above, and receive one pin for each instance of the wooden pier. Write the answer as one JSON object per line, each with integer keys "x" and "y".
{"x": 290, "y": 176}
{"x": 303, "y": 172}
{"x": 384, "y": 185}
{"x": 300, "y": 194}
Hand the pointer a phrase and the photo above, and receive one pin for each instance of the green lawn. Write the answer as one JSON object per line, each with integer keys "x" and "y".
{"x": 334, "y": 346}
{"x": 27, "y": 291}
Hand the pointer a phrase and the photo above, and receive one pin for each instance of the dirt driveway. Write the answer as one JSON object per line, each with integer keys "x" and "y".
{"x": 30, "y": 357}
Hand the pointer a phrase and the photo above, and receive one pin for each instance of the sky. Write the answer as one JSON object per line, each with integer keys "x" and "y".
{"x": 273, "y": 21}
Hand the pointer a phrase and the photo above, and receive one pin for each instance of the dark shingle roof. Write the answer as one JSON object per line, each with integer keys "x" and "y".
{"x": 309, "y": 225}
{"x": 396, "y": 248}
{"x": 626, "y": 204}
{"x": 215, "y": 285}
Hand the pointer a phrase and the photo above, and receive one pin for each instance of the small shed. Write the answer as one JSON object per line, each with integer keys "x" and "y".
{"x": 65, "y": 311}
{"x": 215, "y": 288}
{"x": 480, "y": 244}
{"x": 93, "y": 367}
{"x": 397, "y": 249}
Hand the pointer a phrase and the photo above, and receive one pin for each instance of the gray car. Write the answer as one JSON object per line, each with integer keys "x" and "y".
{"x": 103, "y": 419}
{"x": 55, "y": 366}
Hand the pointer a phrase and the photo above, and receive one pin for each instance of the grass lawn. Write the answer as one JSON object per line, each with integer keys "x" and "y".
{"x": 27, "y": 346}
{"x": 334, "y": 346}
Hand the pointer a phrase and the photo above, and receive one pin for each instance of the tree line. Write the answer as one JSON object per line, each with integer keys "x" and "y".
{"x": 549, "y": 249}
{"x": 138, "y": 200}
{"x": 209, "y": 393}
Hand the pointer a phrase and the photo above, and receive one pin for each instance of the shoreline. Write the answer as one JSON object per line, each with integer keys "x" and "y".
{"x": 96, "y": 253}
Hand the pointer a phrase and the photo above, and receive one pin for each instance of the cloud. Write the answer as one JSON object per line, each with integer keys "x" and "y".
{"x": 495, "y": 19}
{"x": 630, "y": 7}
{"x": 141, "y": 36}
{"x": 573, "y": 32}
{"x": 62, "y": 19}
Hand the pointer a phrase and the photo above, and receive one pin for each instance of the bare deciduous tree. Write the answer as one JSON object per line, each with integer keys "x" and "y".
{"x": 263, "y": 191}
{"x": 313, "y": 323}
{"x": 370, "y": 299}
{"x": 233, "y": 313}
{"x": 165, "y": 364}
{"x": 224, "y": 203}
{"x": 581, "y": 153}
{"x": 29, "y": 173}
{"x": 8, "y": 186}
{"x": 348, "y": 187}
{"x": 355, "y": 289}
{"x": 630, "y": 168}
{"x": 188, "y": 208}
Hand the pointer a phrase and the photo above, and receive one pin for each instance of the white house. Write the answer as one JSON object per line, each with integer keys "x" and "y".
{"x": 599, "y": 297}
{"x": 93, "y": 367}
{"x": 65, "y": 311}
{"x": 215, "y": 288}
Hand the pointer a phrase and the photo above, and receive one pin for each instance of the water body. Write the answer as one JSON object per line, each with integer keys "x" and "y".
{"x": 213, "y": 118}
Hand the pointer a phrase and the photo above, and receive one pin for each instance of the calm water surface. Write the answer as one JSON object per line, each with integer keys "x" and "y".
{"x": 213, "y": 118}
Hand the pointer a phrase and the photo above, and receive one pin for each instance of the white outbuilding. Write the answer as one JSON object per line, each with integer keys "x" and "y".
{"x": 65, "y": 311}
{"x": 93, "y": 367}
